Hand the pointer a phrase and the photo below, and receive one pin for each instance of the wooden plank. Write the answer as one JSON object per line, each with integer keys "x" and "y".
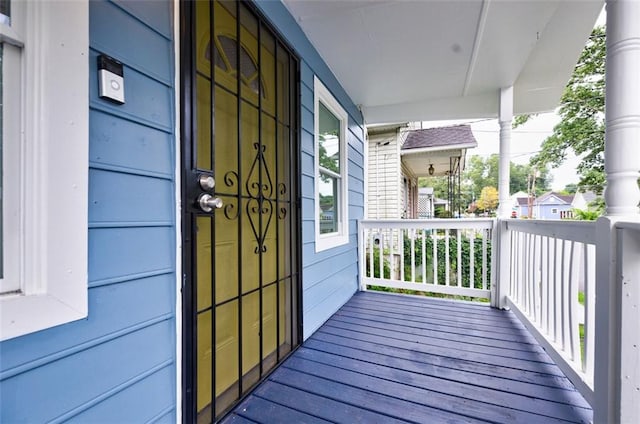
{"x": 263, "y": 411}
{"x": 441, "y": 332}
{"x": 426, "y": 392}
{"x": 319, "y": 406}
{"x": 438, "y": 325}
{"x": 442, "y": 308}
{"x": 499, "y": 324}
{"x": 348, "y": 347}
{"x": 429, "y": 338}
{"x": 443, "y": 351}
{"x": 442, "y": 371}
{"x": 237, "y": 419}
{"x": 430, "y": 302}
{"x": 381, "y": 403}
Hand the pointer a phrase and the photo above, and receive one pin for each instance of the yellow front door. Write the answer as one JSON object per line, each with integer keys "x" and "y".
{"x": 240, "y": 194}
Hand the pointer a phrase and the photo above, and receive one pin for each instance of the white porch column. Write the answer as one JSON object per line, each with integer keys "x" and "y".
{"x": 505, "y": 116}
{"x": 502, "y": 239}
{"x": 617, "y": 355}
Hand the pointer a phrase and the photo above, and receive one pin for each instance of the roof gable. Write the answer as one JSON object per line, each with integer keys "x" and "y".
{"x": 458, "y": 135}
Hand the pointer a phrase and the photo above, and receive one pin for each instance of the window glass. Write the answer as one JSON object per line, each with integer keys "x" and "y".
{"x": 5, "y": 12}
{"x": 329, "y": 158}
{"x": 1, "y": 156}
{"x": 329, "y": 140}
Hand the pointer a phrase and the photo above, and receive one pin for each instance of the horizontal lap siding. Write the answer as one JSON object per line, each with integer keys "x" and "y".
{"x": 118, "y": 364}
{"x": 329, "y": 277}
{"x": 383, "y": 180}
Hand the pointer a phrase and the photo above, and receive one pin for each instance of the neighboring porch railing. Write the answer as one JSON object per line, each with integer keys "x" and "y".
{"x": 448, "y": 256}
{"x": 552, "y": 290}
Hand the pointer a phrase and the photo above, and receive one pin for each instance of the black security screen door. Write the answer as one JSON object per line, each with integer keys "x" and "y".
{"x": 240, "y": 204}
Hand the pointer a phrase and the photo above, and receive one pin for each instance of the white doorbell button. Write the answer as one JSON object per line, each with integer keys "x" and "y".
{"x": 111, "y": 79}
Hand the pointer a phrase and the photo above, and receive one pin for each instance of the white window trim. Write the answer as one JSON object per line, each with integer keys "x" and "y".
{"x": 341, "y": 237}
{"x": 53, "y": 183}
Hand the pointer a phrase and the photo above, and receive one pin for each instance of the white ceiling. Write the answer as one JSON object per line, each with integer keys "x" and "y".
{"x": 402, "y": 60}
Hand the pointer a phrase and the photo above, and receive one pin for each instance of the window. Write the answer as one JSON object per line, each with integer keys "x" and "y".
{"x": 554, "y": 210}
{"x": 331, "y": 191}
{"x": 44, "y": 78}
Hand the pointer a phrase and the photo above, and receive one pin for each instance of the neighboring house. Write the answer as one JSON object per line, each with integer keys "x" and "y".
{"x": 553, "y": 206}
{"x": 519, "y": 203}
{"x": 182, "y": 181}
{"x": 426, "y": 203}
{"x": 399, "y": 154}
{"x": 583, "y": 200}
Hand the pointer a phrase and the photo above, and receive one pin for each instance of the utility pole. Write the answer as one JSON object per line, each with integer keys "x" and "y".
{"x": 531, "y": 190}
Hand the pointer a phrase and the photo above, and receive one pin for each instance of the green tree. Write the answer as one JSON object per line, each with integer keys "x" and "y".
{"x": 481, "y": 173}
{"x": 570, "y": 188}
{"x": 581, "y": 129}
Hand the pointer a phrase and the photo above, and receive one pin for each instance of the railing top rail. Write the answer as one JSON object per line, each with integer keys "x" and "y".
{"x": 628, "y": 225}
{"x": 579, "y": 231}
{"x": 426, "y": 224}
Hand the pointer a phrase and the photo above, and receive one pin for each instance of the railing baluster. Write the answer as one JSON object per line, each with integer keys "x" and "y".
{"x": 371, "y": 245}
{"x": 548, "y": 284}
{"x": 536, "y": 284}
{"x": 401, "y": 249}
{"x": 544, "y": 286}
{"x": 589, "y": 309}
{"x": 472, "y": 257}
{"x": 574, "y": 331}
{"x": 381, "y": 254}
{"x": 435, "y": 255}
{"x": 564, "y": 299}
{"x": 392, "y": 264}
{"x": 459, "y": 257}
{"x": 447, "y": 259}
{"x": 557, "y": 297}
{"x": 412, "y": 234}
{"x": 485, "y": 235}
{"x": 527, "y": 272}
{"x": 424, "y": 257}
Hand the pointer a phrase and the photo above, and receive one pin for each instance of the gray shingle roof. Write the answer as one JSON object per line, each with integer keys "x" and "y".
{"x": 442, "y": 136}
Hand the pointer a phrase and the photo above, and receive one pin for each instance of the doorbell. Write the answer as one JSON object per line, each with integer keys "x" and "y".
{"x": 111, "y": 79}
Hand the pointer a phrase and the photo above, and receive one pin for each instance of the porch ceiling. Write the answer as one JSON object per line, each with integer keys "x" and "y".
{"x": 418, "y": 161}
{"x": 425, "y": 60}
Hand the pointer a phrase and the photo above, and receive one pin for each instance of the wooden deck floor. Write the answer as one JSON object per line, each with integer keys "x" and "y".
{"x": 390, "y": 358}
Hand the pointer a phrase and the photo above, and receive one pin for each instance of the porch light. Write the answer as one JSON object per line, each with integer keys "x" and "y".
{"x": 431, "y": 170}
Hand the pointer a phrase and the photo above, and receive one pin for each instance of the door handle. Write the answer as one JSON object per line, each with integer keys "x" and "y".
{"x": 207, "y": 202}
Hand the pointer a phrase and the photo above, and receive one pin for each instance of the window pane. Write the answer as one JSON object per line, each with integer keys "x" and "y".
{"x": 329, "y": 204}
{"x": 329, "y": 139}
{"x": 1, "y": 156}
{"x": 5, "y": 12}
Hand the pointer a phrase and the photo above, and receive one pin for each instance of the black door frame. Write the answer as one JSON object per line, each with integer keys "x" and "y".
{"x": 188, "y": 183}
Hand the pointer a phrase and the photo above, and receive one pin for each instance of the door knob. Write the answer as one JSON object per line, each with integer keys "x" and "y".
{"x": 206, "y": 182}
{"x": 207, "y": 202}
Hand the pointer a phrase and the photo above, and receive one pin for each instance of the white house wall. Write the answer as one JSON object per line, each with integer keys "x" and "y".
{"x": 384, "y": 181}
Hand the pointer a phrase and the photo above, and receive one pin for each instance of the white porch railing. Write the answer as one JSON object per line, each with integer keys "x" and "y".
{"x": 448, "y": 256}
{"x": 552, "y": 290}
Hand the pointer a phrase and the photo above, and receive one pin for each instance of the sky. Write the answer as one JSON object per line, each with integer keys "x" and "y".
{"x": 525, "y": 140}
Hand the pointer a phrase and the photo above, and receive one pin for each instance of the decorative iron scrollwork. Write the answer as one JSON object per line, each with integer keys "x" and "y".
{"x": 257, "y": 187}
{"x": 231, "y": 178}
{"x": 259, "y": 207}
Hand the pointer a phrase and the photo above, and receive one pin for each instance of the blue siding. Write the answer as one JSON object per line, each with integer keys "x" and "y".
{"x": 329, "y": 277}
{"x": 118, "y": 365}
